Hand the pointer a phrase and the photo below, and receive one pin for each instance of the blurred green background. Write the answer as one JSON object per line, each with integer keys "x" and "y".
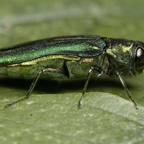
{"x": 51, "y": 114}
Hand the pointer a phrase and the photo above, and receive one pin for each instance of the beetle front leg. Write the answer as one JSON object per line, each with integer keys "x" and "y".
{"x": 126, "y": 90}
{"x": 50, "y": 70}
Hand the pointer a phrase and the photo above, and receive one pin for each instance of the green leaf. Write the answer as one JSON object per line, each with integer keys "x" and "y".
{"x": 55, "y": 118}
{"x": 51, "y": 115}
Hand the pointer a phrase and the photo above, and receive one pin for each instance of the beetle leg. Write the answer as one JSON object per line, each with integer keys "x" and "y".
{"x": 86, "y": 84}
{"x": 51, "y": 70}
{"x": 127, "y": 91}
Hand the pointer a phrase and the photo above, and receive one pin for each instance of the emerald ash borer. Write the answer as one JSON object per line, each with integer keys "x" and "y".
{"x": 73, "y": 57}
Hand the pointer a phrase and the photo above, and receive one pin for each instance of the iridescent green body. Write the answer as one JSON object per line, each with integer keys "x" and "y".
{"x": 72, "y": 57}
{"x": 26, "y": 60}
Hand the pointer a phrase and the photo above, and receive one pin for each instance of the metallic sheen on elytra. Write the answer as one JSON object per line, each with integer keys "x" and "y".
{"x": 73, "y": 57}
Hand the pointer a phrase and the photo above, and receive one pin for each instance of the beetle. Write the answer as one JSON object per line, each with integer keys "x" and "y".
{"x": 73, "y": 57}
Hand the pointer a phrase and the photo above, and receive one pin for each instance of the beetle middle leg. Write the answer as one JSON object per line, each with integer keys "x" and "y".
{"x": 86, "y": 83}
{"x": 50, "y": 70}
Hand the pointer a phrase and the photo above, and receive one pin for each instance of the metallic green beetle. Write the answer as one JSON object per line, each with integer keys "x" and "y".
{"x": 72, "y": 57}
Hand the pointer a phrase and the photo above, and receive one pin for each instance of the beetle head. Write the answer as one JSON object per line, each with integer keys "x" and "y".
{"x": 139, "y": 56}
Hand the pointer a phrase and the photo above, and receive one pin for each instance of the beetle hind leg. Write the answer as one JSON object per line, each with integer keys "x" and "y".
{"x": 51, "y": 71}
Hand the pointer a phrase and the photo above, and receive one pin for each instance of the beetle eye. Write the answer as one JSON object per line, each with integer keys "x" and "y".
{"x": 139, "y": 59}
